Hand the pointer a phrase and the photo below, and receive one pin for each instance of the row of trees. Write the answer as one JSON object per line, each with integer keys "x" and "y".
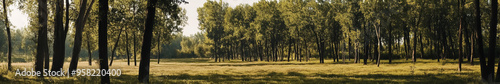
{"x": 369, "y": 29}
{"x": 164, "y": 18}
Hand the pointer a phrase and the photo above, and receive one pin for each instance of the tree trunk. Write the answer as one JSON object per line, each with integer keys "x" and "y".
{"x": 493, "y": 38}
{"x": 135, "y": 55}
{"x": 116, "y": 45}
{"x": 460, "y": 36}
{"x": 127, "y": 46}
{"x": 103, "y": 39}
{"x": 146, "y": 48}
{"x": 159, "y": 46}
{"x": 479, "y": 40}
{"x": 378, "y": 45}
{"x": 414, "y": 58}
{"x": 9, "y": 56}
{"x": 367, "y": 46}
{"x": 42, "y": 36}
{"x": 89, "y": 49}
{"x": 390, "y": 42}
{"x": 80, "y": 24}
{"x": 472, "y": 39}
{"x": 59, "y": 38}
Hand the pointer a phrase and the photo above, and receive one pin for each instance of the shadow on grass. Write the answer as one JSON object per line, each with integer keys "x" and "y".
{"x": 271, "y": 77}
{"x": 296, "y": 77}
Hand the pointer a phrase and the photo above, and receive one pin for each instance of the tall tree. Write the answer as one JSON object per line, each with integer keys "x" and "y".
{"x": 493, "y": 38}
{"x": 460, "y": 57}
{"x": 146, "y": 43}
{"x": 7, "y": 26}
{"x": 42, "y": 35}
{"x": 80, "y": 24}
{"x": 103, "y": 39}
{"x": 59, "y": 38}
{"x": 479, "y": 40}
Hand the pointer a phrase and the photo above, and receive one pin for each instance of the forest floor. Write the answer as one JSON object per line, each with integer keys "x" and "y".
{"x": 204, "y": 70}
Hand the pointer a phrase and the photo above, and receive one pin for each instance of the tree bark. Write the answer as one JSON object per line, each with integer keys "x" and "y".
{"x": 59, "y": 38}
{"x": 493, "y": 38}
{"x": 89, "y": 49}
{"x": 135, "y": 54}
{"x": 80, "y": 24}
{"x": 127, "y": 46}
{"x": 116, "y": 45}
{"x": 103, "y": 39}
{"x": 159, "y": 46}
{"x": 479, "y": 40}
{"x": 460, "y": 36}
{"x": 42, "y": 35}
{"x": 146, "y": 48}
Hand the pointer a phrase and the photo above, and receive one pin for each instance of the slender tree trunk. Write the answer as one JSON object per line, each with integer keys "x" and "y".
{"x": 9, "y": 56}
{"x": 127, "y": 46}
{"x": 135, "y": 51}
{"x": 367, "y": 46}
{"x": 378, "y": 46}
{"x": 289, "y": 49}
{"x": 414, "y": 58}
{"x": 42, "y": 36}
{"x": 103, "y": 39}
{"x": 146, "y": 48}
{"x": 472, "y": 39}
{"x": 159, "y": 46}
{"x": 89, "y": 49}
{"x": 113, "y": 53}
{"x": 479, "y": 40}
{"x": 80, "y": 24}
{"x": 390, "y": 42}
{"x": 460, "y": 36}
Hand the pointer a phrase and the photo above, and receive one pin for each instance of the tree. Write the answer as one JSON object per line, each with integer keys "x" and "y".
{"x": 59, "y": 38}
{"x": 460, "y": 57}
{"x": 493, "y": 39}
{"x": 211, "y": 20}
{"x": 80, "y": 24}
{"x": 146, "y": 45}
{"x": 103, "y": 42}
{"x": 7, "y": 26}
{"x": 42, "y": 35}
{"x": 479, "y": 40}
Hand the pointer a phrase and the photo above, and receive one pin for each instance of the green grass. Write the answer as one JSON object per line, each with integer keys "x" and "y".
{"x": 202, "y": 70}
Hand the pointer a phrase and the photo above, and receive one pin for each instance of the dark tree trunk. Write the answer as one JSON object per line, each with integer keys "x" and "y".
{"x": 493, "y": 38}
{"x": 472, "y": 40}
{"x": 42, "y": 36}
{"x": 414, "y": 58}
{"x": 89, "y": 49}
{"x": 159, "y": 46}
{"x": 80, "y": 24}
{"x": 146, "y": 48}
{"x": 390, "y": 42}
{"x": 127, "y": 47}
{"x": 135, "y": 55}
{"x": 9, "y": 56}
{"x": 479, "y": 40}
{"x": 367, "y": 46}
{"x": 59, "y": 38}
{"x": 461, "y": 3}
{"x": 103, "y": 39}
{"x": 116, "y": 45}
{"x": 289, "y": 49}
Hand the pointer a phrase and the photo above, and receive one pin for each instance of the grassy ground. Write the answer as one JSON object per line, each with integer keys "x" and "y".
{"x": 237, "y": 72}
